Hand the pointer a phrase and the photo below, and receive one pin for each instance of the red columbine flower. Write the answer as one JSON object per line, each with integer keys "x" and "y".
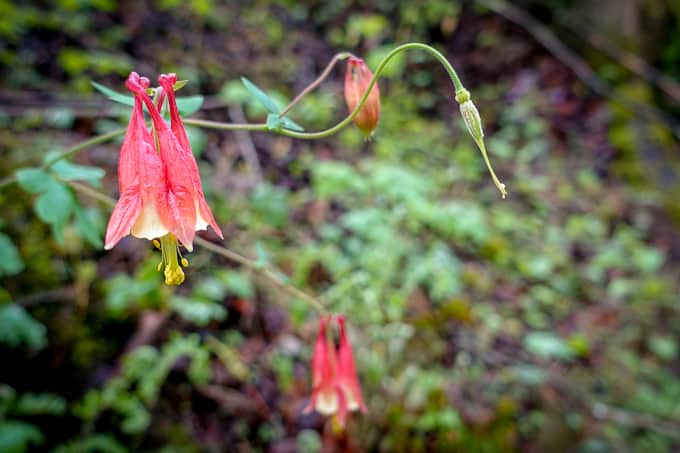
{"x": 327, "y": 396}
{"x": 357, "y": 78}
{"x": 158, "y": 197}
{"x": 335, "y": 387}
{"x": 347, "y": 373}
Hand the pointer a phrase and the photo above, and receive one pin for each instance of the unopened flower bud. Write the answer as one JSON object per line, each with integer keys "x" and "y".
{"x": 357, "y": 79}
{"x": 473, "y": 124}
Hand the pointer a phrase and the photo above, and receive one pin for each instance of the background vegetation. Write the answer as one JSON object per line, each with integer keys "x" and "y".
{"x": 545, "y": 322}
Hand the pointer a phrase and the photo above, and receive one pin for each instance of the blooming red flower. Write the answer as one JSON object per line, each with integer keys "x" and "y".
{"x": 327, "y": 396}
{"x": 335, "y": 386}
{"x": 159, "y": 194}
{"x": 357, "y": 79}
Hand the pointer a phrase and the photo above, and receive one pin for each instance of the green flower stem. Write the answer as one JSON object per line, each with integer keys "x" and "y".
{"x": 458, "y": 86}
{"x": 268, "y": 272}
{"x": 225, "y": 126}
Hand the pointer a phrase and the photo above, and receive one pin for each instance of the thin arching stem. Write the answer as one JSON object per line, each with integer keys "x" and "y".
{"x": 457, "y": 85}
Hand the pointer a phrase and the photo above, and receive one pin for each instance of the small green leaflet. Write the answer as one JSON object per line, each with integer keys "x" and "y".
{"x": 33, "y": 180}
{"x": 10, "y": 260}
{"x": 187, "y": 105}
{"x": 113, "y": 95}
{"x": 261, "y": 96}
{"x": 274, "y": 122}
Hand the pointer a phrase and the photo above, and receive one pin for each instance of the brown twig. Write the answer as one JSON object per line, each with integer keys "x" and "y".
{"x": 337, "y": 57}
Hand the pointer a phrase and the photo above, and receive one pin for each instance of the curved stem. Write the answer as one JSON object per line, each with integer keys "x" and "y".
{"x": 457, "y": 84}
{"x": 267, "y": 272}
{"x": 208, "y": 124}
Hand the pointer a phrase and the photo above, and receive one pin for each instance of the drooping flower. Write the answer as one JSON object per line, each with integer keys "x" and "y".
{"x": 327, "y": 396}
{"x": 335, "y": 386}
{"x": 357, "y": 79}
{"x": 157, "y": 183}
{"x": 347, "y": 372}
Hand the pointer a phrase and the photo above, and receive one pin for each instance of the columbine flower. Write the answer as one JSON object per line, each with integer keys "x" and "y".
{"x": 327, "y": 396}
{"x": 357, "y": 78}
{"x": 335, "y": 386}
{"x": 158, "y": 197}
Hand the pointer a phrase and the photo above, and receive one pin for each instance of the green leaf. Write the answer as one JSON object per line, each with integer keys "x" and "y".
{"x": 261, "y": 96}
{"x": 16, "y": 437}
{"x": 33, "y": 180}
{"x": 18, "y": 327}
{"x": 190, "y": 104}
{"x": 73, "y": 172}
{"x": 55, "y": 205}
{"x": 292, "y": 125}
{"x": 274, "y": 123}
{"x": 10, "y": 260}
{"x": 179, "y": 85}
{"x": 113, "y": 95}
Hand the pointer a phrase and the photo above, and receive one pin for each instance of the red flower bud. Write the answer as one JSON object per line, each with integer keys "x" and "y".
{"x": 356, "y": 80}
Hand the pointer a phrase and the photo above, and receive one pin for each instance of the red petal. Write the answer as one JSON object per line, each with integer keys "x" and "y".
{"x": 128, "y": 163}
{"x": 347, "y": 373}
{"x": 177, "y": 127}
{"x": 124, "y": 216}
{"x": 177, "y": 211}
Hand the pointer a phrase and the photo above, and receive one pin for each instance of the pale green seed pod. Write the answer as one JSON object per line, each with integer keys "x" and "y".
{"x": 473, "y": 122}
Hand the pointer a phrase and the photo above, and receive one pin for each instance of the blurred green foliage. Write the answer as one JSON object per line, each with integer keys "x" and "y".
{"x": 546, "y": 321}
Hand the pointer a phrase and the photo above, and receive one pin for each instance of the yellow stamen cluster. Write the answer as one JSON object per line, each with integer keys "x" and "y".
{"x": 174, "y": 275}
